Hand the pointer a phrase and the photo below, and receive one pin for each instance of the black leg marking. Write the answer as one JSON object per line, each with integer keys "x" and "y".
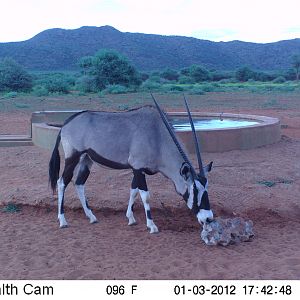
{"x": 87, "y": 205}
{"x": 139, "y": 181}
{"x": 70, "y": 165}
{"x": 83, "y": 175}
{"x": 149, "y": 215}
{"x": 62, "y": 210}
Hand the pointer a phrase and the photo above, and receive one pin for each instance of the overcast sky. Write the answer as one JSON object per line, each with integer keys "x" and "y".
{"x": 260, "y": 21}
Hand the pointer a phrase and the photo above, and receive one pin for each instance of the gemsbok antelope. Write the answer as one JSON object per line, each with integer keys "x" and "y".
{"x": 142, "y": 140}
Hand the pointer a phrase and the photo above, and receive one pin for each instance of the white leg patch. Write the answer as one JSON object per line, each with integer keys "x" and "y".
{"x": 87, "y": 211}
{"x": 145, "y": 195}
{"x": 60, "y": 190}
{"x": 129, "y": 212}
{"x": 62, "y": 221}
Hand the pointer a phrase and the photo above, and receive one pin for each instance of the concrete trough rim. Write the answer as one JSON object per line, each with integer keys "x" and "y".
{"x": 211, "y": 140}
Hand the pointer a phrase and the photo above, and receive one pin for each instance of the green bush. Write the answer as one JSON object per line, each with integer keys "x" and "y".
{"x": 150, "y": 85}
{"x": 196, "y": 90}
{"x": 199, "y": 73}
{"x": 285, "y": 88}
{"x": 57, "y": 83}
{"x": 183, "y": 79}
{"x": 221, "y": 75}
{"x": 40, "y": 91}
{"x": 244, "y": 74}
{"x": 279, "y": 79}
{"x": 170, "y": 74}
{"x": 60, "y": 83}
{"x": 116, "y": 89}
{"x": 109, "y": 67}
{"x": 13, "y": 77}
{"x": 173, "y": 88}
{"x": 10, "y": 95}
{"x": 209, "y": 87}
{"x": 228, "y": 80}
{"x": 155, "y": 78}
{"x": 86, "y": 84}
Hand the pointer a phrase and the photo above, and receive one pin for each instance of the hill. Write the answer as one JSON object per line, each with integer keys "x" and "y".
{"x": 60, "y": 49}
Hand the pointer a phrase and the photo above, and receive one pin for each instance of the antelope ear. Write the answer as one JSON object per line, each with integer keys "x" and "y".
{"x": 208, "y": 168}
{"x": 185, "y": 171}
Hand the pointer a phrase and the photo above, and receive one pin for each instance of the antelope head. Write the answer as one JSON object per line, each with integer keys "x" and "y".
{"x": 196, "y": 195}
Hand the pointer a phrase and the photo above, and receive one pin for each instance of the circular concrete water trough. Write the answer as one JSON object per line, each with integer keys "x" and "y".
{"x": 249, "y": 132}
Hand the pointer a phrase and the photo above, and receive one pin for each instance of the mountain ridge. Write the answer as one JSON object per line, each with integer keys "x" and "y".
{"x": 60, "y": 49}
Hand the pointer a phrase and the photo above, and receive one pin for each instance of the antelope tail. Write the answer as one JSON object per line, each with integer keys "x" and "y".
{"x": 54, "y": 165}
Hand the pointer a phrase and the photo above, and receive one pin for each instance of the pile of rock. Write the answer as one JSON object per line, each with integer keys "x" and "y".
{"x": 227, "y": 231}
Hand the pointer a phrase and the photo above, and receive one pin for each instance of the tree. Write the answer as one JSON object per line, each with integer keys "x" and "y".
{"x": 170, "y": 74}
{"x": 109, "y": 67}
{"x": 244, "y": 74}
{"x": 296, "y": 65}
{"x": 13, "y": 77}
{"x": 85, "y": 63}
{"x": 199, "y": 73}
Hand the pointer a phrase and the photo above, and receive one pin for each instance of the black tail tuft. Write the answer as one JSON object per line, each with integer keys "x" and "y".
{"x": 54, "y": 165}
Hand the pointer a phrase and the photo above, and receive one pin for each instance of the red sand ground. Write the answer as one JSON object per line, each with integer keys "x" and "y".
{"x": 33, "y": 247}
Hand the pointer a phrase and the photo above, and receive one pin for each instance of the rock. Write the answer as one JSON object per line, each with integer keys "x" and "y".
{"x": 227, "y": 231}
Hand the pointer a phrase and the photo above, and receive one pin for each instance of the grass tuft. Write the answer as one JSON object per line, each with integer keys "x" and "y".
{"x": 11, "y": 208}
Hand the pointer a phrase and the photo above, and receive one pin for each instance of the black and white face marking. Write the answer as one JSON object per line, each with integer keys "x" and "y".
{"x": 204, "y": 213}
{"x": 198, "y": 201}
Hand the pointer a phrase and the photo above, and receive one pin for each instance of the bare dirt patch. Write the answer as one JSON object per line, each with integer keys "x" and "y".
{"x": 33, "y": 247}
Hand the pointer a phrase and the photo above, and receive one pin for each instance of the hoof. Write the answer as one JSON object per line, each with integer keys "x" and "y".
{"x": 153, "y": 229}
{"x": 63, "y": 226}
{"x": 94, "y": 221}
{"x": 132, "y": 223}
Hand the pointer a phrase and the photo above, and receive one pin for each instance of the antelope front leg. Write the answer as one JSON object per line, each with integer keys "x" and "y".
{"x": 129, "y": 212}
{"x": 139, "y": 184}
{"x": 145, "y": 195}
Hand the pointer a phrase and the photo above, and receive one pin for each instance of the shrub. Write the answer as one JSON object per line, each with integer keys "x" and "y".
{"x": 228, "y": 80}
{"x": 116, "y": 89}
{"x": 199, "y": 73}
{"x": 155, "y": 78}
{"x": 279, "y": 79}
{"x": 173, "y": 88}
{"x": 144, "y": 76}
{"x": 170, "y": 74}
{"x": 209, "y": 87}
{"x": 221, "y": 75}
{"x": 261, "y": 76}
{"x": 13, "y": 77}
{"x": 150, "y": 85}
{"x": 57, "y": 83}
{"x": 196, "y": 90}
{"x": 183, "y": 79}
{"x": 109, "y": 67}
{"x": 244, "y": 74}
{"x": 86, "y": 84}
{"x": 10, "y": 95}
{"x": 40, "y": 91}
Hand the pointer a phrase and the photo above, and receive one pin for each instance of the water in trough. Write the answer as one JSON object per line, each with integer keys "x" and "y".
{"x": 181, "y": 124}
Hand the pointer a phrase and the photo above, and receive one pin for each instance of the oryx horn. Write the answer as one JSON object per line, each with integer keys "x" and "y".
{"x": 171, "y": 131}
{"x": 195, "y": 138}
